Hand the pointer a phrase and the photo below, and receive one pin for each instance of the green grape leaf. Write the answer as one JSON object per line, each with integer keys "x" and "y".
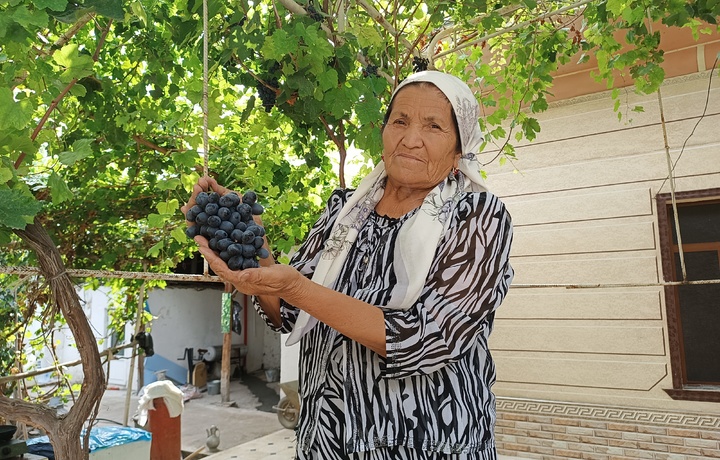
{"x": 17, "y": 209}
{"x": 169, "y": 184}
{"x": 13, "y": 114}
{"x": 278, "y": 45}
{"x": 28, "y": 19}
{"x": 188, "y": 158}
{"x": 368, "y": 111}
{"x": 155, "y": 250}
{"x": 328, "y": 79}
{"x": 54, "y": 5}
{"x": 81, "y": 148}
{"x": 156, "y": 220}
{"x": 168, "y": 207}
{"x": 5, "y": 174}
{"x": 59, "y": 189}
{"x": 76, "y": 65}
{"x": 178, "y": 234}
{"x": 366, "y": 35}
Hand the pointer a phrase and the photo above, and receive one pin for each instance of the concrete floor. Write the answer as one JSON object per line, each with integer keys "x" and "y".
{"x": 250, "y": 417}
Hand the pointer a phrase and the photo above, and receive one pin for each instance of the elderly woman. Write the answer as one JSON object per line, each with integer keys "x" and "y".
{"x": 393, "y": 293}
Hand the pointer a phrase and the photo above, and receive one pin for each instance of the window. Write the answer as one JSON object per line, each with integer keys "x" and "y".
{"x": 693, "y": 311}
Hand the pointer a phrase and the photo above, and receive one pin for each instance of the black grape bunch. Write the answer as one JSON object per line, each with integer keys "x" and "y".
{"x": 420, "y": 63}
{"x": 227, "y": 222}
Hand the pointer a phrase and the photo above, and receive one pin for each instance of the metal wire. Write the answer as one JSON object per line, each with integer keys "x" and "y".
{"x": 82, "y": 273}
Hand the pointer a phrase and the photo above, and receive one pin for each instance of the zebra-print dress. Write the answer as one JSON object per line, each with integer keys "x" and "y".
{"x": 430, "y": 398}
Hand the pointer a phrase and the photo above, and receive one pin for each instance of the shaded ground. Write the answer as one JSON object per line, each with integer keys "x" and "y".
{"x": 250, "y": 417}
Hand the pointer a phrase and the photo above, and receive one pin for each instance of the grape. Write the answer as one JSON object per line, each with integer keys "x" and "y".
{"x": 224, "y": 213}
{"x": 202, "y": 218}
{"x": 211, "y": 209}
{"x": 224, "y": 243}
{"x": 235, "y": 263}
{"x": 227, "y": 222}
{"x": 257, "y": 209}
{"x": 249, "y": 197}
{"x": 227, "y": 226}
{"x": 202, "y": 199}
{"x": 236, "y": 235}
{"x": 244, "y": 209}
{"x": 314, "y": 14}
{"x": 248, "y": 251}
{"x": 370, "y": 70}
{"x": 235, "y": 249}
{"x": 214, "y": 221}
{"x": 250, "y": 263}
{"x": 268, "y": 95}
{"x": 419, "y": 64}
{"x": 192, "y": 232}
{"x": 247, "y": 237}
{"x": 229, "y": 200}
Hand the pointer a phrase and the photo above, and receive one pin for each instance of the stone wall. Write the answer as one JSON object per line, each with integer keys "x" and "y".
{"x": 553, "y": 430}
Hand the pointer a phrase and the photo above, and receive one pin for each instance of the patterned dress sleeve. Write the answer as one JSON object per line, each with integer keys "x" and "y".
{"x": 306, "y": 258}
{"x": 468, "y": 280}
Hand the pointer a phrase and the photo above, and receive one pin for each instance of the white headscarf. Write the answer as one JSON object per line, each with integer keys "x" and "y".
{"x": 412, "y": 260}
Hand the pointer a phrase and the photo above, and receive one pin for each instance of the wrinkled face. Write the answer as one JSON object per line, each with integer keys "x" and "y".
{"x": 419, "y": 138}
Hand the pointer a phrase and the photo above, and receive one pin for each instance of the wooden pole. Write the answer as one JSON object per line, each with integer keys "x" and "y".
{"x": 226, "y": 314}
{"x": 138, "y": 320}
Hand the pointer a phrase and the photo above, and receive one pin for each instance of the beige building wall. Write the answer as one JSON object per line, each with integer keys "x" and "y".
{"x": 582, "y": 371}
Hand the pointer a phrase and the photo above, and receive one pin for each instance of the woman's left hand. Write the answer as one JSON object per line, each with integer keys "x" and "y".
{"x": 275, "y": 280}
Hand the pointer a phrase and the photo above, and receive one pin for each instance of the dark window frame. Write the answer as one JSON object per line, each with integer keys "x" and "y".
{"x": 680, "y": 391}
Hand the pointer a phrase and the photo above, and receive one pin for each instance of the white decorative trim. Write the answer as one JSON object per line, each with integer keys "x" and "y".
{"x": 604, "y": 413}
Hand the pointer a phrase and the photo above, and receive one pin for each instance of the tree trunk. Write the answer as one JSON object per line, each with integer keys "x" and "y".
{"x": 64, "y": 431}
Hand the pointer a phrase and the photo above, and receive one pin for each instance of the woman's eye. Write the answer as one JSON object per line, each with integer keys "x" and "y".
{"x": 434, "y": 126}
{"x": 399, "y": 122}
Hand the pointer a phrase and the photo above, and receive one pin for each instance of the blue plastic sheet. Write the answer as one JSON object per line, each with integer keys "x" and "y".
{"x": 103, "y": 437}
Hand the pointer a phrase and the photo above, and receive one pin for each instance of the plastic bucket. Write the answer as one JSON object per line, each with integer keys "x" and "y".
{"x": 213, "y": 387}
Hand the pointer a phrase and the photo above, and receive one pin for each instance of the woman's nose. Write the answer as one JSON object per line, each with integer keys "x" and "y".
{"x": 412, "y": 137}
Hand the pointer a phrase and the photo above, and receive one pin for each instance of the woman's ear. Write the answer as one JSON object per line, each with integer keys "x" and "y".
{"x": 456, "y": 163}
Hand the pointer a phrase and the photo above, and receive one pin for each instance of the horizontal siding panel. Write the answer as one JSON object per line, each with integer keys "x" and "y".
{"x": 687, "y": 184}
{"x": 597, "y": 173}
{"x": 568, "y": 130}
{"x": 560, "y": 303}
{"x": 627, "y": 340}
{"x": 611, "y": 269}
{"x": 543, "y": 370}
{"x": 579, "y": 206}
{"x": 583, "y": 239}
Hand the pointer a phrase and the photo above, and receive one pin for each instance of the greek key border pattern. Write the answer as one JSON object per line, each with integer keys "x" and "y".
{"x": 612, "y": 414}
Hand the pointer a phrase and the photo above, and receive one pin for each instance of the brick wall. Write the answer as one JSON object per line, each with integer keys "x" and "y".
{"x": 548, "y": 430}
